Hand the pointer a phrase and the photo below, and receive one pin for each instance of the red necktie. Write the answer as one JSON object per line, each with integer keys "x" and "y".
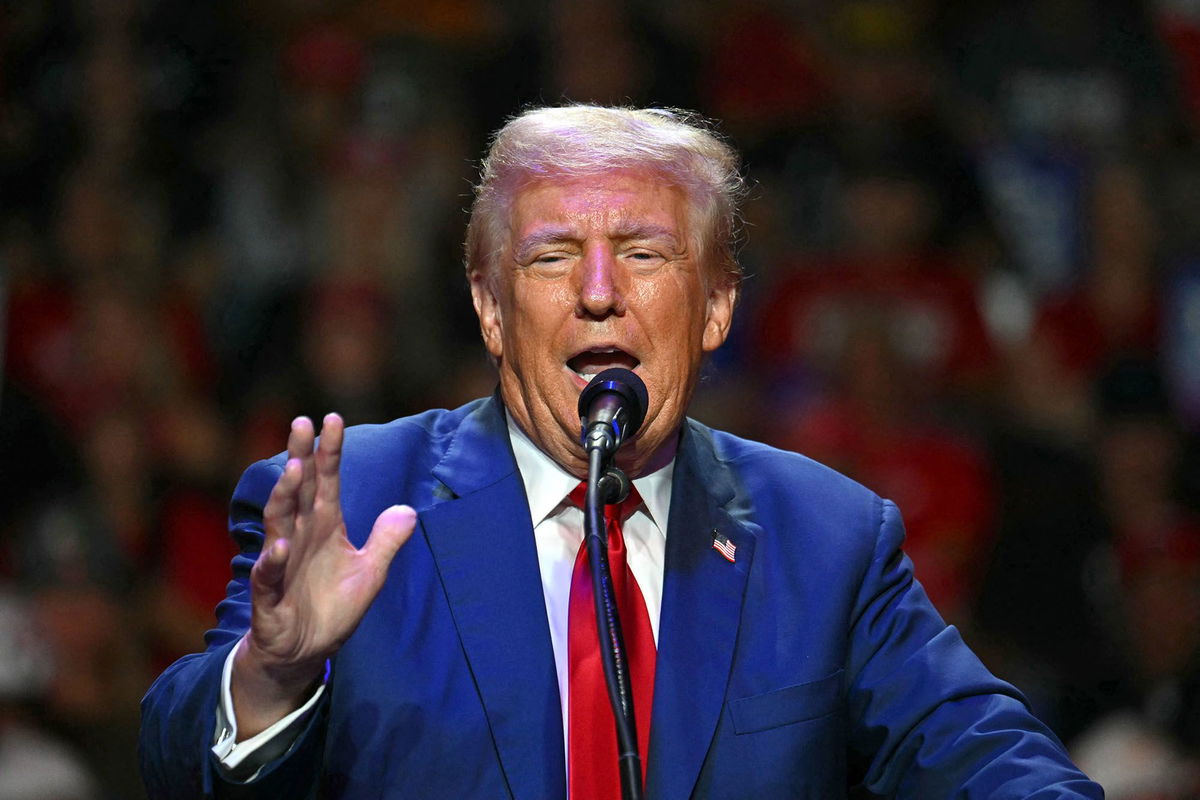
{"x": 592, "y": 735}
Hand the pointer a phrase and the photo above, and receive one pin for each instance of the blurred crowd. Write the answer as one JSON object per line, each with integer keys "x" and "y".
{"x": 972, "y": 255}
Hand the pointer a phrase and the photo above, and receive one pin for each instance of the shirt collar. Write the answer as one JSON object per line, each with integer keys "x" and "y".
{"x": 547, "y": 483}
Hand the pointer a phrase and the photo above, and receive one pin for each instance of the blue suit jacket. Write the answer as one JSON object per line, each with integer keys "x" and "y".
{"x": 813, "y": 662}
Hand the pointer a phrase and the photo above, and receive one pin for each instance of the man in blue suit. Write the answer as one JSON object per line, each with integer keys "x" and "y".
{"x": 372, "y": 649}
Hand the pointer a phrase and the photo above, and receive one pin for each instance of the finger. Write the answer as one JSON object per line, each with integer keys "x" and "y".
{"x": 392, "y": 529}
{"x": 266, "y": 577}
{"x": 329, "y": 460}
{"x": 300, "y": 446}
{"x": 300, "y": 438}
{"x": 279, "y": 514}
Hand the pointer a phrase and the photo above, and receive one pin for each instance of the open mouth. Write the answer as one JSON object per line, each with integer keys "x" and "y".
{"x": 595, "y": 360}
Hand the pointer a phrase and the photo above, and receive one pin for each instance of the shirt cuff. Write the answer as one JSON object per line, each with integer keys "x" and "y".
{"x": 242, "y": 761}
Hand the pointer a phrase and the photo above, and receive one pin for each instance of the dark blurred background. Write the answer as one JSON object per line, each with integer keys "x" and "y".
{"x": 973, "y": 283}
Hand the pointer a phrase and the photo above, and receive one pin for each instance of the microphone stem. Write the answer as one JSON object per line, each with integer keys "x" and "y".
{"x": 608, "y": 625}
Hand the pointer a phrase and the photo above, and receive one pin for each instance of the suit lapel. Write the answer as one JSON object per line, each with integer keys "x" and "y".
{"x": 482, "y": 542}
{"x": 702, "y": 603}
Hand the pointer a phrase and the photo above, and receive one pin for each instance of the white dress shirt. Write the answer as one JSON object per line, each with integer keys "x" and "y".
{"x": 558, "y": 534}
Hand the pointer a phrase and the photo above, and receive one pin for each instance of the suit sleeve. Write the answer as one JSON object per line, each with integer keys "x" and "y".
{"x": 927, "y": 717}
{"x": 179, "y": 710}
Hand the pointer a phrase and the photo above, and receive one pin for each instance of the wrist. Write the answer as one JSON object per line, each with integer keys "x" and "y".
{"x": 265, "y": 690}
{"x": 275, "y": 674}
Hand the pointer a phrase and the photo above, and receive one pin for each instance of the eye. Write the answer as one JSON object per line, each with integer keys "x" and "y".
{"x": 549, "y": 264}
{"x": 643, "y": 258}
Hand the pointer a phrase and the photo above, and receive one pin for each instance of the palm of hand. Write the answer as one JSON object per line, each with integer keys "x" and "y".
{"x": 311, "y": 586}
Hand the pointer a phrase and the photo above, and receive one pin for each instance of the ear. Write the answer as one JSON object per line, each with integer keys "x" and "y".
{"x": 487, "y": 308}
{"x": 721, "y": 300}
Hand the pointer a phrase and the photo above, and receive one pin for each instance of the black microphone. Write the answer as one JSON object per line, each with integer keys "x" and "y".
{"x": 611, "y": 409}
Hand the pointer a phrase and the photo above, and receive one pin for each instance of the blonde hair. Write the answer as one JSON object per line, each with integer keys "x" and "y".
{"x": 584, "y": 140}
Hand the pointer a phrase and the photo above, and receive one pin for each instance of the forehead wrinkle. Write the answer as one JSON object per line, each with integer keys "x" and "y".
{"x": 609, "y": 215}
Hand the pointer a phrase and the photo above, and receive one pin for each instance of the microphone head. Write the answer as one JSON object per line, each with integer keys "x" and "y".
{"x": 628, "y": 386}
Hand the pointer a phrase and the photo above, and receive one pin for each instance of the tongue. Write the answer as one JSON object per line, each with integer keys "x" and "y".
{"x": 594, "y": 363}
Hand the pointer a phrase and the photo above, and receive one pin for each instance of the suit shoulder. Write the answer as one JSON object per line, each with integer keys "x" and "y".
{"x": 404, "y": 445}
{"x": 424, "y": 428}
{"x": 801, "y": 511}
{"x": 770, "y": 466}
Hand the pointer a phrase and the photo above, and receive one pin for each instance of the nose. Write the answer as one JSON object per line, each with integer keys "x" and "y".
{"x": 601, "y": 289}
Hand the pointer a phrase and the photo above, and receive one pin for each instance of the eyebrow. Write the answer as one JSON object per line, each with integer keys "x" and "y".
{"x": 624, "y": 231}
{"x": 543, "y": 236}
{"x": 634, "y": 230}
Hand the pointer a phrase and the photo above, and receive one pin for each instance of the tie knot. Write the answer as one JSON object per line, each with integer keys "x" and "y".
{"x": 618, "y": 512}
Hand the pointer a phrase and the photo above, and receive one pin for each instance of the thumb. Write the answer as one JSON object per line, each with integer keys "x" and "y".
{"x": 392, "y": 529}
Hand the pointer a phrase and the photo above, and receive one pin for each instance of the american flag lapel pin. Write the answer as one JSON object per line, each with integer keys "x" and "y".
{"x": 723, "y": 546}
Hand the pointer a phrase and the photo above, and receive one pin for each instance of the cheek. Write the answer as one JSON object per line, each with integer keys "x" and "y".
{"x": 670, "y": 301}
{"x": 535, "y": 312}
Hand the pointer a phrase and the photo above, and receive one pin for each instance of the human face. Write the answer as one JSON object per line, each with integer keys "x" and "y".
{"x": 600, "y": 272}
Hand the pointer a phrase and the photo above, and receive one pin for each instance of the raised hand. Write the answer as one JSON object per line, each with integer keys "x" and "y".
{"x": 310, "y": 586}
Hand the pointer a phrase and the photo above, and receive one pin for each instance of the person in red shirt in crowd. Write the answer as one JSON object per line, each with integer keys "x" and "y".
{"x": 887, "y": 273}
{"x": 1115, "y": 309}
{"x": 1113, "y": 312}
